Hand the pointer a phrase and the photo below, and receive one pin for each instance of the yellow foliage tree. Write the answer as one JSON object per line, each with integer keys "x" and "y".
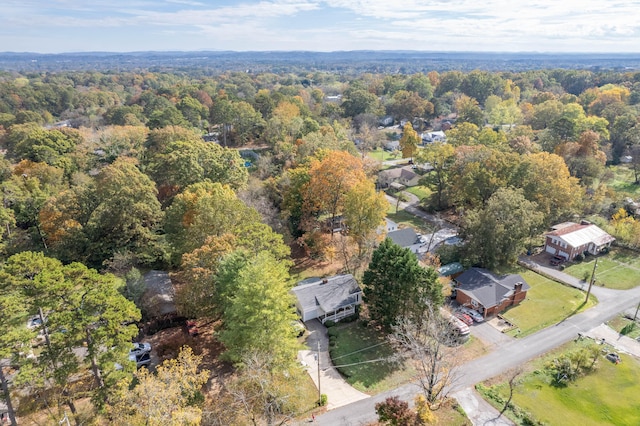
{"x": 165, "y": 398}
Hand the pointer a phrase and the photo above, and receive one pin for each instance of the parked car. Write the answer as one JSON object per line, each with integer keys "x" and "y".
{"x": 557, "y": 260}
{"x": 139, "y": 349}
{"x": 475, "y": 315}
{"x": 615, "y": 358}
{"x": 141, "y": 360}
{"x": 34, "y": 322}
{"x": 464, "y": 318}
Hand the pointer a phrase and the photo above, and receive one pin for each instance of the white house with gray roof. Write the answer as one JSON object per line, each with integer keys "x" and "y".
{"x": 409, "y": 238}
{"x": 332, "y": 298}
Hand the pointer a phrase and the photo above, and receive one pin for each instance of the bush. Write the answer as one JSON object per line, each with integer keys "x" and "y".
{"x": 628, "y": 328}
{"x": 323, "y": 400}
{"x": 579, "y": 257}
{"x": 605, "y": 250}
{"x": 329, "y": 323}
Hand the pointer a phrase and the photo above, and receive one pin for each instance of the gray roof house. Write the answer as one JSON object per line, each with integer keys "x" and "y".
{"x": 489, "y": 293}
{"x": 408, "y": 238}
{"x": 159, "y": 294}
{"x": 402, "y": 175}
{"x": 332, "y": 298}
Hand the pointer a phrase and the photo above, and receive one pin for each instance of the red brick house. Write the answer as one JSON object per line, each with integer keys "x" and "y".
{"x": 570, "y": 239}
{"x": 488, "y": 293}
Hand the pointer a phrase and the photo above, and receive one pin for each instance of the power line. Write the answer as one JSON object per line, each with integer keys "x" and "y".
{"x": 359, "y": 350}
{"x": 363, "y": 362}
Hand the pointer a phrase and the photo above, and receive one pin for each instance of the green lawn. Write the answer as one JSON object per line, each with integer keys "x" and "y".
{"x": 607, "y": 396}
{"x": 419, "y": 191}
{"x": 620, "y": 178}
{"x": 405, "y": 219}
{"x": 547, "y": 303}
{"x": 619, "y": 323}
{"x": 620, "y": 269}
{"x": 381, "y": 155}
{"x": 356, "y": 344}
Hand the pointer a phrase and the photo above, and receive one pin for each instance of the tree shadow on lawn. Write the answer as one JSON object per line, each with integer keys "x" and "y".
{"x": 363, "y": 356}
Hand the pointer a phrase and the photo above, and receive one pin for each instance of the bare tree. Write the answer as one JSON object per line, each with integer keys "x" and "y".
{"x": 263, "y": 393}
{"x": 513, "y": 383}
{"x": 426, "y": 341}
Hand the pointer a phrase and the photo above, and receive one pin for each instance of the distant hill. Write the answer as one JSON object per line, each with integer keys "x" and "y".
{"x": 344, "y": 61}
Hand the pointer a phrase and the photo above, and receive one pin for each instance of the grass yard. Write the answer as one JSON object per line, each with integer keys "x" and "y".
{"x": 419, "y": 191}
{"x": 405, "y": 220}
{"x": 381, "y": 155}
{"x": 547, "y": 303}
{"x": 620, "y": 269}
{"x": 357, "y": 344}
{"x": 621, "y": 324}
{"x": 606, "y": 396}
{"x": 620, "y": 178}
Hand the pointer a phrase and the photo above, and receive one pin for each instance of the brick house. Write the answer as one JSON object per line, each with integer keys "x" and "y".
{"x": 488, "y": 293}
{"x": 570, "y": 239}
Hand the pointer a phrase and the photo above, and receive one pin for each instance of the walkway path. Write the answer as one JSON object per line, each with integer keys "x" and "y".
{"x": 338, "y": 391}
{"x": 611, "y": 337}
{"x": 479, "y": 411}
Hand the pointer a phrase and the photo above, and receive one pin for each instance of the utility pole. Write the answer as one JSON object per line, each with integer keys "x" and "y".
{"x": 319, "y": 392}
{"x": 592, "y": 280}
{"x": 636, "y": 314}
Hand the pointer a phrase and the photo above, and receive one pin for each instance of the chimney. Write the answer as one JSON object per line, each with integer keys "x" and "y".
{"x": 517, "y": 288}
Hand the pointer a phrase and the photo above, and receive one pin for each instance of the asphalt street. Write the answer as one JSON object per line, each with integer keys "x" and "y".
{"x": 504, "y": 357}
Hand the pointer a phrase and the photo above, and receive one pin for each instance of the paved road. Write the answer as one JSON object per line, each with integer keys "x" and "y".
{"x": 504, "y": 358}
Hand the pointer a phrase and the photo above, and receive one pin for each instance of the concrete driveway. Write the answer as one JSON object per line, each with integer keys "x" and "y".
{"x": 479, "y": 411}
{"x": 330, "y": 382}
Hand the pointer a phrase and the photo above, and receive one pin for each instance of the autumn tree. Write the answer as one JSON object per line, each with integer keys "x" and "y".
{"x": 262, "y": 391}
{"x": 498, "y": 232}
{"x": 584, "y": 158}
{"x": 126, "y": 215}
{"x": 394, "y": 274}
{"x": 202, "y": 210}
{"x": 170, "y": 396}
{"x": 364, "y": 212}
{"x": 181, "y": 164}
{"x": 409, "y": 141}
{"x": 331, "y": 177}
{"x": 440, "y": 157}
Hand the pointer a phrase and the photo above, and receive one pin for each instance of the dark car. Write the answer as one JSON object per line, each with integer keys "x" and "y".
{"x": 615, "y": 358}
{"x": 556, "y": 260}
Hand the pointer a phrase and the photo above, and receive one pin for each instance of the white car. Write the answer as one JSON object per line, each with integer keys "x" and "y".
{"x": 34, "y": 322}
{"x": 140, "y": 349}
{"x": 475, "y": 315}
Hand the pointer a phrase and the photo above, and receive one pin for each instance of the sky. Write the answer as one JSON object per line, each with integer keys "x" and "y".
{"x": 58, "y": 26}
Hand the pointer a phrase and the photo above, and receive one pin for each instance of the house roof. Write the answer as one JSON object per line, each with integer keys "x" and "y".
{"x": 488, "y": 288}
{"x": 160, "y": 291}
{"x": 579, "y": 234}
{"x": 399, "y": 172}
{"x": 404, "y": 237}
{"x": 329, "y": 293}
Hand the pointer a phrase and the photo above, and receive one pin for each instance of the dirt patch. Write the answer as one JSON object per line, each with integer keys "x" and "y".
{"x": 500, "y": 324}
{"x": 167, "y": 343}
